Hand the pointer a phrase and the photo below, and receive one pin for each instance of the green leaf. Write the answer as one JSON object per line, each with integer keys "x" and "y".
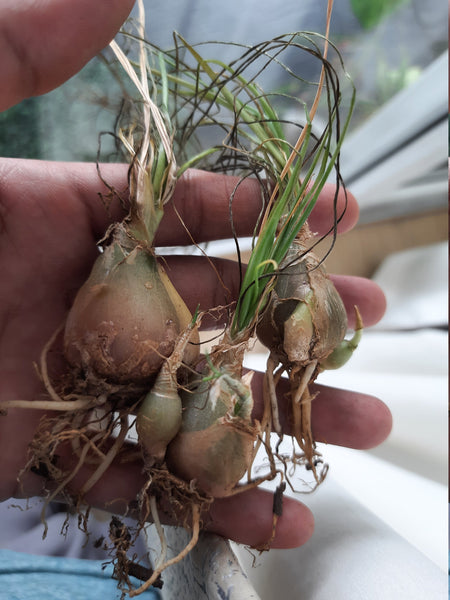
{"x": 370, "y": 12}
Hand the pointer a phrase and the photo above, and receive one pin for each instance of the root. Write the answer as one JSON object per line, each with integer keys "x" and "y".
{"x": 43, "y": 372}
{"x": 161, "y": 492}
{"x": 306, "y": 377}
{"x": 159, "y": 530}
{"x": 269, "y": 421}
{"x": 77, "y": 422}
{"x": 62, "y": 487}
{"x": 49, "y": 405}
{"x": 123, "y": 538}
{"x": 108, "y": 458}
{"x": 301, "y": 411}
{"x": 271, "y": 391}
{"x": 162, "y": 564}
{"x": 301, "y": 401}
{"x": 75, "y": 430}
{"x": 254, "y": 482}
{"x": 56, "y": 402}
{"x": 277, "y": 511}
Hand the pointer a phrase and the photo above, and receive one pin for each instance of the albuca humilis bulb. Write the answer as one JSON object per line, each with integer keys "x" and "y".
{"x": 215, "y": 443}
{"x": 305, "y": 318}
{"x": 125, "y": 319}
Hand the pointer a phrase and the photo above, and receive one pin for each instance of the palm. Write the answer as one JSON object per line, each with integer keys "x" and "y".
{"x": 51, "y": 218}
{"x": 46, "y": 249}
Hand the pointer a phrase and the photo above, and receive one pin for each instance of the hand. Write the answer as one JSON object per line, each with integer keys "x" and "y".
{"x": 42, "y": 44}
{"x": 50, "y": 219}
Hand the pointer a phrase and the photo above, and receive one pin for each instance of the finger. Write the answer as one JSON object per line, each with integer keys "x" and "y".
{"x": 245, "y": 518}
{"x": 339, "y": 417}
{"x": 42, "y": 44}
{"x": 350, "y": 419}
{"x": 363, "y": 293}
{"x": 219, "y": 285}
{"x": 201, "y": 209}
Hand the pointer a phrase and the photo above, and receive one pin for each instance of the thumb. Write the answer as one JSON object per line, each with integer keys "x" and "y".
{"x": 42, "y": 44}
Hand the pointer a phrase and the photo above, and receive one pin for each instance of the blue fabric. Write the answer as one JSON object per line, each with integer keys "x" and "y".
{"x": 33, "y": 577}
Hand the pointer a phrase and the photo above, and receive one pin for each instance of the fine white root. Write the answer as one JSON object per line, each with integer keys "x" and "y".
{"x": 62, "y": 485}
{"x": 109, "y": 457}
{"x": 56, "y": 405}
{"x": 160, "y": 532}
{"x": 270, "y": 421}
{"x": 43, "y": 365}
{"x": 304, "y": 381}
{"x": 254, "y": 483}
{"x": 301, "y": 410}
{"x": 76, "y": 424}
{"x": 271, "y": 366}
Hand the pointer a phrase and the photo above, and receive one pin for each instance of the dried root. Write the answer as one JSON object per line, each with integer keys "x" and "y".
{"x": 300, "y": 403}
{"x": 178, "y": 501}
{"x": 162, "y": 563}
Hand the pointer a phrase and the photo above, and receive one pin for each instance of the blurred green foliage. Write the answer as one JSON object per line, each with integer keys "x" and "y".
{"x": 370, "y": 12}
{"x": 19, "y": 130}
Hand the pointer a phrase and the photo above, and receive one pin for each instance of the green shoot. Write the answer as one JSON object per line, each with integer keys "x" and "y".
{"x": 195, "y": 93}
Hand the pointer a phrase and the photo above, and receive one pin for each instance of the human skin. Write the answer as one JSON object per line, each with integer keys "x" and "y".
{"x": 50, "y": 220}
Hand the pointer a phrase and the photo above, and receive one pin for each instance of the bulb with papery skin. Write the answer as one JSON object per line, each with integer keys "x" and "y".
{"x": 125, "y": 319}
{"x": 305, "y": 318}
{"x": 214, "y": 446}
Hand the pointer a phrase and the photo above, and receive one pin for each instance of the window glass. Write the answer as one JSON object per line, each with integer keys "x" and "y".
{"x": 394, "y": 41}
{"x": 385, "y": 45}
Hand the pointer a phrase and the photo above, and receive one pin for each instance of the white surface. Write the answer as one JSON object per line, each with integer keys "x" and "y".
{"x": 352, "y": 556}
{"x": 404, "y": 481}
{"x": 407, "y": 371}
{"x": 413, "y": 506}
{"x": 210, "y": 571}
{"x": 381, "y": 516}
{"x": 415, "y": 282}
